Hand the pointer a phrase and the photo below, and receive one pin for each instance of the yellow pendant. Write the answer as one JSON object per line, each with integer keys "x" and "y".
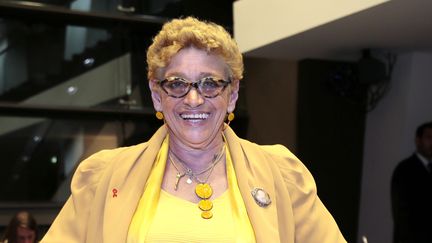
{"x": 205, "y": 205}
{"x": 203, "y": 191}
{"x": 206, "y": 214}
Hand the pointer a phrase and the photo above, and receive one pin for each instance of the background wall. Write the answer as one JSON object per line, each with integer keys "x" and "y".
{"x": 389, "y": 138}
{"x": 258, "y": 23}
{"x": 271, "y": 99}
{"x": 271, "y": 94}
{"x": 330, "y": 128}
{"x": 290, "y": 103}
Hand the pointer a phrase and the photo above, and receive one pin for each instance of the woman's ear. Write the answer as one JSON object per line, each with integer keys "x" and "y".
{"x": 233, "y": 96}
{"x": 155, "y": 94}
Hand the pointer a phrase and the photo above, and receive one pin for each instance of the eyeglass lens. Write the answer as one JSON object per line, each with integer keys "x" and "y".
{"x": 179, "y": 87}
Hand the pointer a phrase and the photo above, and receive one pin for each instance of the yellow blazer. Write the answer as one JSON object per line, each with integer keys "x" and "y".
{"x": 107, "y": 186}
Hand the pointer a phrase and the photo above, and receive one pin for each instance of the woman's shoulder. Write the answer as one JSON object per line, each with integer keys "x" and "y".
{"x": 277, "y": 153}
{"x": 106, "y": 156}
{"x": 91, "y": 169}
{"x": 284, "y": 162}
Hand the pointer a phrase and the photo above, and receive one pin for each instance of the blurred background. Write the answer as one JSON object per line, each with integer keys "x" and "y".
{"x": 342, "y": 84}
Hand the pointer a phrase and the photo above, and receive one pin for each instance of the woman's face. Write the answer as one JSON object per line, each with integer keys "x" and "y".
{"x": 194, "y": 120}
{"x": 25, "y": 235}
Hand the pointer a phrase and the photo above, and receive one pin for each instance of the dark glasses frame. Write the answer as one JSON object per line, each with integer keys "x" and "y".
{"x": 197, "y": 85}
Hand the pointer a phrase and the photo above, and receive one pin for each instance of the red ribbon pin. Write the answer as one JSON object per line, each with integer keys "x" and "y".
{"x": 114, "y": 191}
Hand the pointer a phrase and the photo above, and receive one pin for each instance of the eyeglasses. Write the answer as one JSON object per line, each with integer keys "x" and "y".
{"x": 179, "y": 87}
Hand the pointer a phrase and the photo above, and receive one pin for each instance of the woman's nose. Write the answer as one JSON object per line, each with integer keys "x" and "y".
{"x": 193, "y": 98}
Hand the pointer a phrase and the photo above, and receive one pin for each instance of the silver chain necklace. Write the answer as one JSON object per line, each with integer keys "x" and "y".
{"x": 186, "y": 171}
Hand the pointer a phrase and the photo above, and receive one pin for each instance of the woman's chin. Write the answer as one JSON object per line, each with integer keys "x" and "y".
{"x": 196, "y": 139}
{"x": 195, "y": 123}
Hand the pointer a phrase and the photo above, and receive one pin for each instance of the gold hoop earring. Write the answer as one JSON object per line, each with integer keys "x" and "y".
{"x": 159, "y": 115}
{"x": 230, "y": 117}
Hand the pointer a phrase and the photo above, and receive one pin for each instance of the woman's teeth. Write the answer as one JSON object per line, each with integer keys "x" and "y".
{"x": 201, "y": 116}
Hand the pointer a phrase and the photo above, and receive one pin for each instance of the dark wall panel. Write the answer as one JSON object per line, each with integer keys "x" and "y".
{"x": 330, "y": 136}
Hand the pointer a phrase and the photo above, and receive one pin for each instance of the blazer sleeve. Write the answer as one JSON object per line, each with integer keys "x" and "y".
{"x": 313, "y": 222}
{"x": 71, "y": 223}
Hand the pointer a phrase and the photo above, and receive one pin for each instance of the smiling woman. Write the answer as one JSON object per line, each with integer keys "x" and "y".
{"x": 194, "y": 180}
{"x": 194, "y": 120}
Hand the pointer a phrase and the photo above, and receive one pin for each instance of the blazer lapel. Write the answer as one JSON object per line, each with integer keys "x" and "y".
{"x": 126, "y": 186}
{"x": 252, "y": 171}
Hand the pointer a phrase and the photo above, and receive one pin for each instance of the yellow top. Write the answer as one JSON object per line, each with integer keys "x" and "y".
{"x": 178, "y": 220}
{"x": 161, "y": 217}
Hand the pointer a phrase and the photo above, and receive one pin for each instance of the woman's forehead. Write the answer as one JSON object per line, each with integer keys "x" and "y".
{"x": 197, "y": 63}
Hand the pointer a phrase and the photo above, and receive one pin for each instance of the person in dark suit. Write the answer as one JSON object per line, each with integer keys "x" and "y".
{"x": 411, "y": 192}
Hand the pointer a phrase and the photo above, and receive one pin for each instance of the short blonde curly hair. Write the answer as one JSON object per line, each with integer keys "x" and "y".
{"x": 181, "y": 33}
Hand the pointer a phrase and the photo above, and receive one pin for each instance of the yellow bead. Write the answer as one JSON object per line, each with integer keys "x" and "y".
{"x": 203, "y": 191}
{"x": 205, "y": 205}
{"x": 207, "y": 214}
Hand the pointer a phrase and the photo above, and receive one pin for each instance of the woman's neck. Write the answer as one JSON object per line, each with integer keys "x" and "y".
{"x": 196, "y": 158}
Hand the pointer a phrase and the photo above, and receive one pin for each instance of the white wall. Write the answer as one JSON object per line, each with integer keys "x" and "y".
{"x": 389, "y": 138}
{"x": 258, "y": 23}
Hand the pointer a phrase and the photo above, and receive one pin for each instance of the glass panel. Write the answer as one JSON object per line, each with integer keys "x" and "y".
{"x": 72, "y": 66}
{"x": 216, "y": 11}
{"x": 39, "y": 155}
{"x": 147, "y": 7}
{"x": 75, "y": 69}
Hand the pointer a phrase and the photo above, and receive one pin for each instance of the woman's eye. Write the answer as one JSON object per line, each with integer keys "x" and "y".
{"x": 209, "y": 84}
{"x": 176, "y": 84}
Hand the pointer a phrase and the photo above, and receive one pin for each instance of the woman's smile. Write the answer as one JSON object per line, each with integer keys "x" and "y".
{"x": 197, "y": 117}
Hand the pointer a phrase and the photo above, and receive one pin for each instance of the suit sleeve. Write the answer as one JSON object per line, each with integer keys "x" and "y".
{"x": 313, "y": 222}
{"x": 71, "y": 223}
{"x": 403, "y": 197}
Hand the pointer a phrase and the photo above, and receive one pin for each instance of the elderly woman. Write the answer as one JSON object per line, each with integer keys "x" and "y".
{"x": 194, "y": 180}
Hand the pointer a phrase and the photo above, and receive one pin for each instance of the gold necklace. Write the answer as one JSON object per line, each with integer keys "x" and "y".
{"x": 203, "y": 189}
{"x": 188, "y": 171}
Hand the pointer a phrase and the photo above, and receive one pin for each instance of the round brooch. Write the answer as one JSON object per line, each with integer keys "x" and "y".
{"x": 262, "y": 198}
